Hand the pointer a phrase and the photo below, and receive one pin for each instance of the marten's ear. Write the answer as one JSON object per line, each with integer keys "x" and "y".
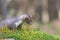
{"x": 26, "y": 18}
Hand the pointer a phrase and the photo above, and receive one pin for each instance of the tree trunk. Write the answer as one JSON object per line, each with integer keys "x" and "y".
{"x": 38, "y": 10}
{"x": 53, "y": 14}
{"x": 4, "y": 7}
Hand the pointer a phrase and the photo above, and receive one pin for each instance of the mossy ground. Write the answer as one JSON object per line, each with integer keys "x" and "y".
{"x": 27, "y": 34}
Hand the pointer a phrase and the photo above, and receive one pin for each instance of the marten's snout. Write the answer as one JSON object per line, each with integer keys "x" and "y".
{"x": 29, "y": 22}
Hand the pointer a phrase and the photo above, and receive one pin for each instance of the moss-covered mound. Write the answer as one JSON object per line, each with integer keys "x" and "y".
{"x": 27, "y": 35}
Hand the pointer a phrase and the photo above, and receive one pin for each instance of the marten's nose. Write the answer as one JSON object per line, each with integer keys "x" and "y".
{"x": 29, "y": 22}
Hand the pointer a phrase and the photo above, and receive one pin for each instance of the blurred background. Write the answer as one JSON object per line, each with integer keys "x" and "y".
{"x": 45, "y": 13}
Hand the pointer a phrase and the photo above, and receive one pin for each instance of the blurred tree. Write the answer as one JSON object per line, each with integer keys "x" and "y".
{"x": 0, "y": 11}
{"x": 0, "y": 8}
{"x": 53, "y": 13}
{"x": 4, "y": 7}
{"x": 38, "y": 10}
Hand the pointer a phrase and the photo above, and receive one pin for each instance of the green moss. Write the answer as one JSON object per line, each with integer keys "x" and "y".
{"x": 28, "y": 35}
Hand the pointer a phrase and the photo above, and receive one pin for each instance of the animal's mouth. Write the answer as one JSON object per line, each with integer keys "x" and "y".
{"x": 30, "y": 22}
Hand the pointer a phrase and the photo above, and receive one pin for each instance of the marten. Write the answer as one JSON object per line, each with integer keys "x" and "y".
{"x": 16, "y": 22}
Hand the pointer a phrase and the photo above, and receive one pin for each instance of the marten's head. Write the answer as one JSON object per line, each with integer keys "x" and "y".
{"x": 25, "y": 17}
